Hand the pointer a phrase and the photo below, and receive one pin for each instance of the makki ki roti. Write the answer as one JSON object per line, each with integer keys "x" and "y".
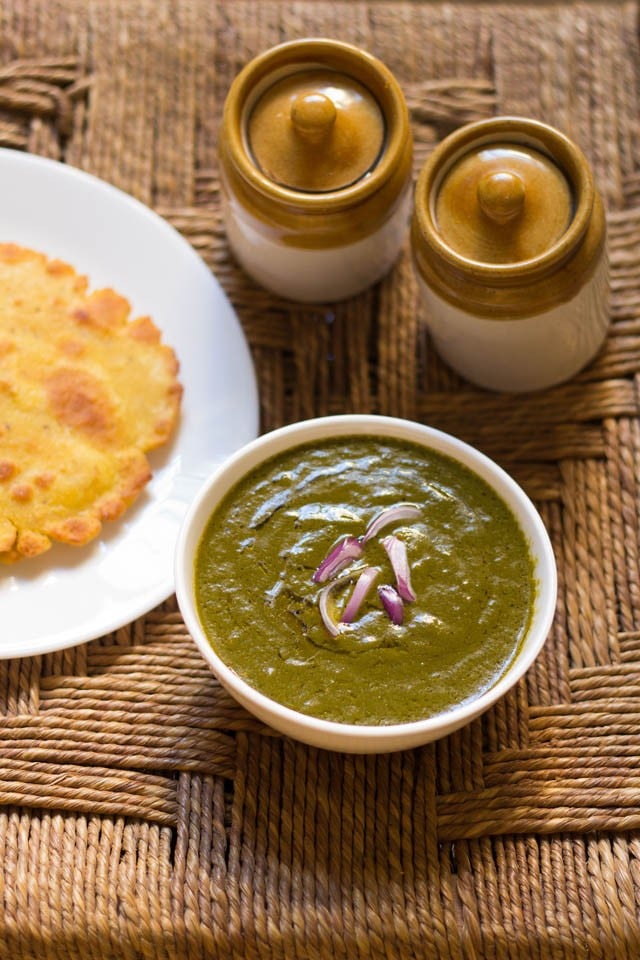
{"x": 85, "y": 392}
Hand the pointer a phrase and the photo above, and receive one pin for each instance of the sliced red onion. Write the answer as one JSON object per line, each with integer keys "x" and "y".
{"x": 347, "y": 549}
{"x": 361, "y": 589}
{"x": 323, "y": 606}
{"x": 395, "y": 514}
{"x": 392, "y": 603}
{"x": 397, "y": 551}
{"x": 330, "y": 623}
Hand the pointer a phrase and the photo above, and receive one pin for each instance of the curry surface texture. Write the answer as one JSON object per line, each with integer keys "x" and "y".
{"x": 471, "y": 570}
{"x": 84, "y": 391}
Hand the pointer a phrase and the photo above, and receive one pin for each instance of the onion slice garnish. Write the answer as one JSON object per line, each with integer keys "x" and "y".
{"x": 395, "y": 514}
{"x": 392, "y": 603}
{"x": 361, "y": 589}
{"x": 323, "y": 606}
{"x": 347, "y": 549}
{"x": 397, "y": 551}
{"x": 329, "y": 621}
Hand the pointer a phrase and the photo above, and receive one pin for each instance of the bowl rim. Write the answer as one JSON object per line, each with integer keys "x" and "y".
{"x": 269, "y": 444}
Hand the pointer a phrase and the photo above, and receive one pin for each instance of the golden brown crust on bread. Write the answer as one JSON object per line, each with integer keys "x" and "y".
{"x": 85, "y": 391}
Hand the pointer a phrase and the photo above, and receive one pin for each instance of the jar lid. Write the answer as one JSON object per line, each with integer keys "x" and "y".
{"x": 503, "y": 203}
{"x": 316, "y": 131}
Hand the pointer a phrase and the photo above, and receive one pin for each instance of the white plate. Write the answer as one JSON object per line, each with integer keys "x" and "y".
{"x": 69, "y": 596}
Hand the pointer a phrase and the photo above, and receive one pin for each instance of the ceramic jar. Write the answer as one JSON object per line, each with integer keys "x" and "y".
{"x": 315, "y": 155}
{"x": 509, "y": 245}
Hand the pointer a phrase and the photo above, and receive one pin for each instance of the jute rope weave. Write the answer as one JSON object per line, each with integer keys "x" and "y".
{"x": 143, "y": 814}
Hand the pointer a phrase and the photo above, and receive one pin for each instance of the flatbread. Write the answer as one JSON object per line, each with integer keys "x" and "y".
{"x": 85, "y": 392}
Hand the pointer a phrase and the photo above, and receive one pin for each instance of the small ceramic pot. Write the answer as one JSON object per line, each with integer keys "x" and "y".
{"x": 315, "y": 156}
{"x": 509, "y": 245}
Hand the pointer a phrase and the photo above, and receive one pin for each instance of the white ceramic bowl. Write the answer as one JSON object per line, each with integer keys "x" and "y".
{"x": 347, "y": 737}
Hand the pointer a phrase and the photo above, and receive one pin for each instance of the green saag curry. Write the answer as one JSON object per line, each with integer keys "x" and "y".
{"x": 470, "y": 567}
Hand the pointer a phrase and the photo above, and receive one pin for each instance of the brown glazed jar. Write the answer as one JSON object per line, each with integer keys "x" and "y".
{"x": 315, "y": 156}
{"x": 509, "y": 245}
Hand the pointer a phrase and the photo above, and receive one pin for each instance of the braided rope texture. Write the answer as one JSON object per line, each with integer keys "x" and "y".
{"x": 143, "y": 814}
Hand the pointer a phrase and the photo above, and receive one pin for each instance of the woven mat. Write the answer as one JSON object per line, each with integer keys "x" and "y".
{"x": 142, "y": 812}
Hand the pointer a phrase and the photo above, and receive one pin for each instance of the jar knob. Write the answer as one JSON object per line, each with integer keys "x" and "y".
{"x": 313, "y": 115}
{"x": 501, "y": 195}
